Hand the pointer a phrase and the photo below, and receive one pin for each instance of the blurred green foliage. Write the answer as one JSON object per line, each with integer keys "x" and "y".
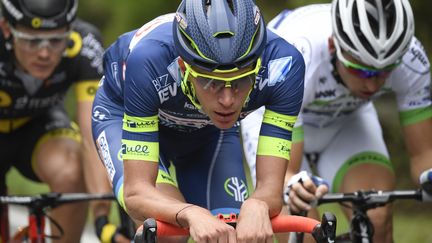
{"x": 116, "y": 17}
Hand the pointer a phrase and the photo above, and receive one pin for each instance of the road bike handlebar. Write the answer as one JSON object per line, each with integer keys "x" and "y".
{"x": 52, "y": 199}
{"x": 322, "y": 231}
{"x": 37, "y": 205}
{"x": 373, "y": 198}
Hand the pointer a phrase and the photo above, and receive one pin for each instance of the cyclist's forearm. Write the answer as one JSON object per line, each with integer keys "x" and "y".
{"x": 270, "y": 179}
{"x": 419, "y": 164}
{"x": 142, "y": 198}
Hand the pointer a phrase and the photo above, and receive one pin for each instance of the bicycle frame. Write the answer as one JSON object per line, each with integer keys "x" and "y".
{"x": 37, "y": 205}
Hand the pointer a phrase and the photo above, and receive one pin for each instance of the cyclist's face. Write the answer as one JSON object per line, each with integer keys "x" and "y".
{"x": 222, "y": 101}
{"x": 38, "y": 52}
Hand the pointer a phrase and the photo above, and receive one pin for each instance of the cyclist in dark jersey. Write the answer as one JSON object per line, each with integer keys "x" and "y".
{"x": 165, "y": 119}
{"x": 43, "y": 52}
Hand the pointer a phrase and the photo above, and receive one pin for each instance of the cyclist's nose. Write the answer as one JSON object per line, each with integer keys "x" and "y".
{"x": 226, "y": 97}
{"x": 372, "y": 84}
{"x": 44, "y": 52}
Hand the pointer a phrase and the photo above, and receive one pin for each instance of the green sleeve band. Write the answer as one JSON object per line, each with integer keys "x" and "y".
{"x": 298, "y": 134}
{"x": 274, "y": 147}
{"x": 414, "y": 116}
{"x": 140, "y": 124}
{"x": 282, "y": 121}
{"x": 138, "y": 150}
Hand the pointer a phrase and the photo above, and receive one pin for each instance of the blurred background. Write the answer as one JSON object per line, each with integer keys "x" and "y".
{"x": 412, "y": 222}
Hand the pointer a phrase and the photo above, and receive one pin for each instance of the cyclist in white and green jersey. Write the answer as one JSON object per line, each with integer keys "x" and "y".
{"x": 355, "y": 51}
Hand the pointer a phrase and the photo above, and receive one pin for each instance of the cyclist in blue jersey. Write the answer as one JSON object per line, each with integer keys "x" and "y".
{"x": 355, "y": 51}
{"x": 165, "y": 118}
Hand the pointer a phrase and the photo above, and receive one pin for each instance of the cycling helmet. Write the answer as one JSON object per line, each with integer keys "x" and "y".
{"x": 375, "y": 32}
{"x": 219, "y": 34}
{"x": 40, "y": 14}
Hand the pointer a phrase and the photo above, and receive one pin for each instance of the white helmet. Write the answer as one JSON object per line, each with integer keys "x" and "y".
{"x": 375, "y": 32}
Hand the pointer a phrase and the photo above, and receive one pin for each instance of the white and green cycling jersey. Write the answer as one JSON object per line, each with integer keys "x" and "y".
{"x": 343, "y": 129}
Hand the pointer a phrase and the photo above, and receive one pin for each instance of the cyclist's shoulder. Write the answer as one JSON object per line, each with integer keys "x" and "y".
{"x": 415, "y": 59}
{"x": 84, "y": 28}
{"x": 306, "y": 15}
{"x": 85, "y": 44}
{"x": 150, "y": 44}
{"x": 278, "y": 48}
{"x": 307, "y": 28}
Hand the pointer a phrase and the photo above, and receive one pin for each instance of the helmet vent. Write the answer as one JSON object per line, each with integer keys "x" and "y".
{"x": 222, "y": 35}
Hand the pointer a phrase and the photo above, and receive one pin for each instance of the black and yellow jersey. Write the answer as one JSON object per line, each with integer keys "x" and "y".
{"x": 22, "y": 97}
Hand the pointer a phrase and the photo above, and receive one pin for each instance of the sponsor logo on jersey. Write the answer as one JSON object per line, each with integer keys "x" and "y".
{"x": 325, "y": 93}
{"x": 416, "y": 58}
{"x": 115, "y": 73}
{"x": 189, "y": 106}
{"x": 5, "y": 99}
{"x": 105, "y": 154}
{"x": 142, "y": 124}
{"x": 100, "y": 113}
{"x": 236, "y": 188}
{"x": 135, "y": 149}
{"x": 167, "y": 92}
{"x": 93, "y": 50}
{"x": 165, "y": 89}
{"x": 25, "y": 102}
{"x": 278, "y": 70}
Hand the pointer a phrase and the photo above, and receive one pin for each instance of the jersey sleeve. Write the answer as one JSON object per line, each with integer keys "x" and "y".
{"x": 85, "y": 52}
{"x": 411, "y": 82}
{"x": 286, "y": 71}
{"x": 141, "y": 101}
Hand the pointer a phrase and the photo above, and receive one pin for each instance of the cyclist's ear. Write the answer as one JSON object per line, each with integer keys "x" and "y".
{"x": 331, "y": 45}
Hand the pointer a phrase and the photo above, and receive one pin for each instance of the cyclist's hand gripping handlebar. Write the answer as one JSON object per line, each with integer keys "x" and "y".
{"x": 324, "y": 231}
{"x": 426, "y": 182}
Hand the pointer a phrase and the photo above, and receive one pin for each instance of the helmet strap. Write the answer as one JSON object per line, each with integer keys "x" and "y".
{"x": 335, "y": 73}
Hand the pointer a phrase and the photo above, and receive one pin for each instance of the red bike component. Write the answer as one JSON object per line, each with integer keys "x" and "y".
{"x": 35, "y": 225}
{"x": 280, "y": 224}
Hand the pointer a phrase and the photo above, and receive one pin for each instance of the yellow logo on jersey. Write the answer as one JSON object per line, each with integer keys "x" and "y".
{"x": 5, "y": 99}
{"x": 76, "y": 46}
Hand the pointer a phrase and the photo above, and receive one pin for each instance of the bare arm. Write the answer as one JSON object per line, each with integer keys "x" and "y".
{"x": 142, "y": 198}
{"x": 270, "y": 178}
{"x": 418, "y": 138}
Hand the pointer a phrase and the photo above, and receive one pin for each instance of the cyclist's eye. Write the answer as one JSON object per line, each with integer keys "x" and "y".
{"x": 34, "y": 43}
{"x": 235, "y": 85}
{"x": 244, "y": 83}
{"x": 56, "y": 41}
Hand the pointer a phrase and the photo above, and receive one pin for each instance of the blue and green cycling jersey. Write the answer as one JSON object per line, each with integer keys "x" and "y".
{"x": 142, "y": 75}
